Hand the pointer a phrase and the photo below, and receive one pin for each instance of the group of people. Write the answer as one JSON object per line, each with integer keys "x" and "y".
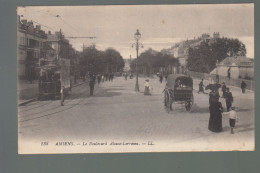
{"x": 216, "y": 109}
{"x": 161, "y": 77}
{"x": 100, "y": 77}
{"x": 107, "y": 77}
{"x": 126, "y": 75}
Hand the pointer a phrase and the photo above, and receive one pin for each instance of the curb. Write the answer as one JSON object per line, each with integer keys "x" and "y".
{"x": 78, "y": 84}
{"x": 26, "y": 102}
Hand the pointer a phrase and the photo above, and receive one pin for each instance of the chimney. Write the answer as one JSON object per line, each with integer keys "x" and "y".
{"x": 24, "y": 21}
{"x": 38, "y": 27}
{"x": 30, "y": 23}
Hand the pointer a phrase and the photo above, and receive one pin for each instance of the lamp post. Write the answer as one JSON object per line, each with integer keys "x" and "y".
{"x": 217, "y": 76}
{"x": 137, "y": 44}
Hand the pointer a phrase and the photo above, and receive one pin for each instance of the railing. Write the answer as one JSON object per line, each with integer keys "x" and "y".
{"x": 233, "y": 82}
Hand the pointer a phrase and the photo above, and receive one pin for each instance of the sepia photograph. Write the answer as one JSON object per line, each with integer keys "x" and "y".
{"x": 135, "y": 78}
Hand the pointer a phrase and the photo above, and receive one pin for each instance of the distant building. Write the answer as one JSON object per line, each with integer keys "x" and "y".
{"x": 127, "y": 67}
{"x": 216, "y": 35}
{"x": 51, "y": 54}
{"x": 58, "y": 42}
{"x": 181, "y": 50}
{"x": 235, "y": 67}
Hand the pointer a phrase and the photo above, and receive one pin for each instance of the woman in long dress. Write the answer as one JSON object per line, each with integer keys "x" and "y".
{"x": 147, "y": 87}
{"x": 216, "y": 109}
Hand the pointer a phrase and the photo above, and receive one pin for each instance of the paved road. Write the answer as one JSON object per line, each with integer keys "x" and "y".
{"x": 118, "y": 114}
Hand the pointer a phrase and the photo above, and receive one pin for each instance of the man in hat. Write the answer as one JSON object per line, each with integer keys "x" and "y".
{"x": 201, "y": 85}
{"x": 160, "y": 78}
{"x": 92, "y": 79}
{"x": 229, "y": 99}
{"x": 243, "y": 86}
{"x": 224, "y": 88}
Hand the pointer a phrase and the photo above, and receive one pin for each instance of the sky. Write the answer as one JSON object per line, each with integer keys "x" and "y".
{"x": 161, "y": 26}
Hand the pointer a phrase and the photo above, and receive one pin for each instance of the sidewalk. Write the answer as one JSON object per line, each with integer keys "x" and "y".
{"x": 28, "y": 92}
{"x": 159, "y": 87}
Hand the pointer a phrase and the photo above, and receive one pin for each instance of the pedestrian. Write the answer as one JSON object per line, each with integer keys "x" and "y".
{"x": 161, "y": 78}
{"x": 147, "y": 87}
{"x": 228, "y": 74}
{"x": 224, "y": 88}
{"x": 126, "y": 76}
{"x": 62, "y": 96}
{"x": 99, "y": 78}
{"x": 111, "y": 77}
{"x": 213, "y": 96}
{"x": 217, "y": 78}
{"x": 92, "y": 84}
{"x": 229, "y": 99}
{"x": 215, "y": 109}
{"x": 201, "y": 85}
{"x": 103, "y": 78}
{"x": 232, "y": 119}
{"x": 243, "y": 86}
{"x": 166, "y": 77}
{"x": 106, "y": 76}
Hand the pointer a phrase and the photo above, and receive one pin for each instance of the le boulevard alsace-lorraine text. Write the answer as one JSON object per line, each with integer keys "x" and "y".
{"x": 101, "y": 143}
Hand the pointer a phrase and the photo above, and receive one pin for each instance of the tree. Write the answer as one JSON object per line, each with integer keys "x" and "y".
{"x": 203, "y": 58}
{"x": 96, "y": 61}
{"x": 150, "y": 61}
{"x": 114, "y": 60}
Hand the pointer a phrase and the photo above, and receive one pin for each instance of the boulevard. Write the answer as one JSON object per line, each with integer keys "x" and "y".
{"x": 118, "y": 114}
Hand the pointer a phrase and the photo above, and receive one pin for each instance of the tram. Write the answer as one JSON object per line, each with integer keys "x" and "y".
{"x": 54, "y": 77}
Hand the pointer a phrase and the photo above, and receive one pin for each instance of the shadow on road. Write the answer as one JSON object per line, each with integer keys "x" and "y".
{"x": 196, "y": 109}
{"x": 109, "y": 93}
{"x": 240, "y": 128}
{"x": 246, "y": 130}
{"x": 243, "y": 110}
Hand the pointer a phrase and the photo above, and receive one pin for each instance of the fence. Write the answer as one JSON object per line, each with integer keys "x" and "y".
{"x": 234, "y": 82}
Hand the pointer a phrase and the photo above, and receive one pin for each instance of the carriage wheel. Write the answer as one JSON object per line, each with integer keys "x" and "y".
{"x": 167, "y": 101}
{"x": 189, "y": 103}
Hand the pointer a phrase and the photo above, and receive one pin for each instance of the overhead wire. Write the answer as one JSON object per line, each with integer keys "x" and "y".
{"x": 75, "y": 30}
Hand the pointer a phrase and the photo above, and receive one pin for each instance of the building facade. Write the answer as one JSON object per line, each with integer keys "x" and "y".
{"x": 31, "y": 43}
{"x": 181, "y": 50}
{"x": 58, "y": 42}
{"x": 236, "y": 68}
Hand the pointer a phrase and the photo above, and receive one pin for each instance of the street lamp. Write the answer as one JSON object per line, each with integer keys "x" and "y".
{"x": 217, "y": 76}
{"x": 137, "y": 45}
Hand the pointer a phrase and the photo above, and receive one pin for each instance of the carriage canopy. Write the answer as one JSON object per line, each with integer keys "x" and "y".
{"x": 179, "y": 81}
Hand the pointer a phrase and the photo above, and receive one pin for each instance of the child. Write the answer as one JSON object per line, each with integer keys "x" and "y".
{"x": 232, "y": 119}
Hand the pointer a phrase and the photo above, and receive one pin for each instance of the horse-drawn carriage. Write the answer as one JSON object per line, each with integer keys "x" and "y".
{"x": 178, "y": 89}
